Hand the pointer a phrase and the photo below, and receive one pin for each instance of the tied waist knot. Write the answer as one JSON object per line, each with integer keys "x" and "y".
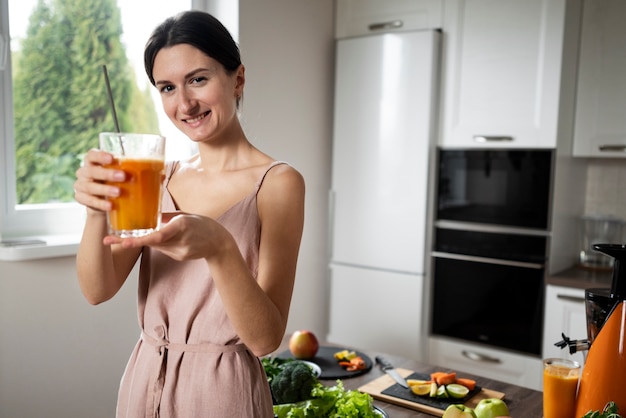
{"x": 162, "y": 346}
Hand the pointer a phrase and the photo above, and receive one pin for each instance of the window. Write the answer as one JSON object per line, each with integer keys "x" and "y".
{"x": 53, "y": 99}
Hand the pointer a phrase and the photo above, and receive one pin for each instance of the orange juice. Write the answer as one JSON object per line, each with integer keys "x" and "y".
{"x": 136, "y": 210}
{"x": 560, "y": 382}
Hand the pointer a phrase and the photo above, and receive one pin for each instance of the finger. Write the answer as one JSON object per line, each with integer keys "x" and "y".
{"x": 93, "y": 202}
{"x": 111, "y": 239}
{"x": 159, "y": 238}
{"x": 95, "y": 188}
{"x": 168, "y": 216}
{"x": 100, "y": 174}
{"x": 97, "y": 157}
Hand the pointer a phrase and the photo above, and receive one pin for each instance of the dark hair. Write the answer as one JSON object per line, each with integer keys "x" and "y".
{"x": 198, "y": 29}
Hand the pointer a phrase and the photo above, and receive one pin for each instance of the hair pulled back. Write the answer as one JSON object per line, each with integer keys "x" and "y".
{"x": 198, "y": 29}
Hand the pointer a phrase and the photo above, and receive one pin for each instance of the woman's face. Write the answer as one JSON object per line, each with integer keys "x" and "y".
{"x": 197, "y": 93}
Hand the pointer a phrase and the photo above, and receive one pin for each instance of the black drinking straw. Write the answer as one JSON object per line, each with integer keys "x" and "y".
{"x": 112, "y": 102}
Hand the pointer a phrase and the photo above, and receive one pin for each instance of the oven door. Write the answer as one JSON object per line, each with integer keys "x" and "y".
{"x": 496, "y": 304}
{"x": 488, "y": 288}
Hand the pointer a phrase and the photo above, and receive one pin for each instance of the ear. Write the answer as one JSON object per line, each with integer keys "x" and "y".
{"x": 240, "y": 80}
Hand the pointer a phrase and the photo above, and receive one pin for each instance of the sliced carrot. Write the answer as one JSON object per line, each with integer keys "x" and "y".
{"x": 435, "y": 375}
{"x": 468, "y": 383}
{"x": 446, "y": 379}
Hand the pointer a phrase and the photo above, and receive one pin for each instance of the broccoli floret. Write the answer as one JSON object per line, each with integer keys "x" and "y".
{"x": 293, "y": 384}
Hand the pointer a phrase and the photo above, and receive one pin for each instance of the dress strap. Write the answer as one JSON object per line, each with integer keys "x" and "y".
{"x": 272, "y": 165}
{"x": 170, "y": 168}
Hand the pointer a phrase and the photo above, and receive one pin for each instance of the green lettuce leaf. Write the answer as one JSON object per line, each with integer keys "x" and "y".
{"x": 330, "y": 402}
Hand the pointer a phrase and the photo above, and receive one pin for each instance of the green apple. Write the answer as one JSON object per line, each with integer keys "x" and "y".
{"x": 459, "y": 411}
{"x": 491, "y": 408}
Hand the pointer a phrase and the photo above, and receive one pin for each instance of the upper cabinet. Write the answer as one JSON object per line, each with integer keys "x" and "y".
{"x": 364, "y": 17}
{"x": 600, "y": 129}
{"x": 502, "y": 73}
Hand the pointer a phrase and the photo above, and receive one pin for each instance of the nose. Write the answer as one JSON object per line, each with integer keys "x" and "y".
{"x": 187, "y": 102}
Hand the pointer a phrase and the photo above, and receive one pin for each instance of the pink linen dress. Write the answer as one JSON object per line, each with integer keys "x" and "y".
{"x": 189, "y": 361}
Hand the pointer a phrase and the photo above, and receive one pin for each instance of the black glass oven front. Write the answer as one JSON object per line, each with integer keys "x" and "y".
{"x": 490, "y": 246}
{"x": 489, "y": 289}
{"x": 501, "y": 187}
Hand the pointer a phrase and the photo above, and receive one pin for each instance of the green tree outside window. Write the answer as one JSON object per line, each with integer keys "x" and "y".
{"x": 59, "y": 94}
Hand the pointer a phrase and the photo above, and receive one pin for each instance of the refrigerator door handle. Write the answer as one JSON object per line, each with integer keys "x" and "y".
{"x": 393, "y": 24}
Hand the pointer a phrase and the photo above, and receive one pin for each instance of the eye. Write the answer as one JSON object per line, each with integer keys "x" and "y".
{"x": 197, "y": 80}
{"x": 166, "y": 88}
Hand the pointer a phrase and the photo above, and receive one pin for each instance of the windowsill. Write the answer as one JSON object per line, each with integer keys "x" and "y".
{"x": 39, "y": 247}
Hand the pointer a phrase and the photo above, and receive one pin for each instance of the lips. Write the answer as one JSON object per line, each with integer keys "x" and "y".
{"x": 197, "y": 118}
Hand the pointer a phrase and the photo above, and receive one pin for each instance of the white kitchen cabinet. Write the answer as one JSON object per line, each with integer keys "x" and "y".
{"x": 502, "y": 72}
{"x": 365, "y": 17}
{"x": 600, "y": 129}
{"x": 564, "y": 313}
{"x": 508, "y": 367}
{"x": 376, "y": 310}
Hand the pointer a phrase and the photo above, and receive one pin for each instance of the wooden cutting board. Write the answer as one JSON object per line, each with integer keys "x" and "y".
{"x": 377, "y": 386}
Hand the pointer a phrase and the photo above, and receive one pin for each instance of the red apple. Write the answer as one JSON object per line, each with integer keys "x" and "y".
{"x": 303, "y": 345}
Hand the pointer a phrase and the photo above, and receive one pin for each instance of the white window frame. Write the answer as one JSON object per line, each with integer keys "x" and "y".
{"x": 49, "y": 230}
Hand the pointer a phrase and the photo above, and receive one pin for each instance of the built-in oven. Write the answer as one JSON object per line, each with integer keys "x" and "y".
{"x": 490, "y": 247}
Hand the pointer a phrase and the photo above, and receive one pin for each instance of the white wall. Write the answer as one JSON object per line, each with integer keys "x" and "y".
{"x": 61, "y": 357}
{"x": 287, "y": 47}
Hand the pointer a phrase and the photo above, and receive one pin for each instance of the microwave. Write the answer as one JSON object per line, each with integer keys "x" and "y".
{"x": 499, "y": 187}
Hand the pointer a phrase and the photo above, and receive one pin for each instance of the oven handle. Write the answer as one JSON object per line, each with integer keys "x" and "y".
{"x": 483, "y": 358}
{"x": 487, "y": 260}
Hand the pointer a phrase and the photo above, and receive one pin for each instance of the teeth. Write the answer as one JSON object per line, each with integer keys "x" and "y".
{"x": 202, "y": 116}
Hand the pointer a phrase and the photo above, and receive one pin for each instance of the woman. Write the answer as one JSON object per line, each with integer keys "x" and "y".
{"x": 216, "y": 280}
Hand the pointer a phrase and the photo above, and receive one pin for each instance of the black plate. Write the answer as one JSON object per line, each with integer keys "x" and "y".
{"x": 380, "y": 412}
{"x": 330, "y": 366}
{"x": 398, "y": 391}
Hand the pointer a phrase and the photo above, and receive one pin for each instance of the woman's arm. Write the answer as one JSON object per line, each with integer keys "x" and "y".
{"x": 101, "y": 269}
{"x": 259, "y": 309}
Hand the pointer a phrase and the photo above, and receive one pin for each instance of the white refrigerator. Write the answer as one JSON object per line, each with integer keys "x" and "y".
{"x": 383, "y": 138}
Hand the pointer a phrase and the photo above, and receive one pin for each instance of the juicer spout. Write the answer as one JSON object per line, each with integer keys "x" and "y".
{"x": 574, "y": 345}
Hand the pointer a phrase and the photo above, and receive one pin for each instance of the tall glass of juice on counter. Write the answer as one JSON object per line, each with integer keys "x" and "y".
{"x": 560, "y": 383}
{"x": 137, "y": 210}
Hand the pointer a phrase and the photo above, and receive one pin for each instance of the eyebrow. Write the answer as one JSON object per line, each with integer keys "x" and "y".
{"x": 190, "y": 74}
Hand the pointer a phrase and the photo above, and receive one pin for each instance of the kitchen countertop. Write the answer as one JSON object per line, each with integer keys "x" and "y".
{"x": 581, "y": 278}
{"x": 522, "y": 402}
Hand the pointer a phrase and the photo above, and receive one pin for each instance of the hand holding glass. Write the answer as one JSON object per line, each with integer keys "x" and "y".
{"x": 137, "y": 210}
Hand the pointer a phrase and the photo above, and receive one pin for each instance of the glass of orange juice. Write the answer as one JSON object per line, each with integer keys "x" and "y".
{"x": 137, "y": 210}
{"x": 560, "y": 383}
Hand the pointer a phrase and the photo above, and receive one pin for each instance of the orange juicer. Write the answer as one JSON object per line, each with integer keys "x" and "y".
{"x": 603, "y": 377}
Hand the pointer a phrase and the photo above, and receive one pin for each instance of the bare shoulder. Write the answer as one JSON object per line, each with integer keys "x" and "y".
{"x": 282, "y": 181}
{"x": 284, "y": 175}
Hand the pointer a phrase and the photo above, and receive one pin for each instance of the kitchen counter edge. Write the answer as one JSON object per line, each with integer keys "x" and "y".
{"x": 580, "y": 278}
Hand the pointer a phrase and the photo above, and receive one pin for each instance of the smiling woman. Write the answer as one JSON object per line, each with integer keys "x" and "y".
{"x": 53, "y": 102}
